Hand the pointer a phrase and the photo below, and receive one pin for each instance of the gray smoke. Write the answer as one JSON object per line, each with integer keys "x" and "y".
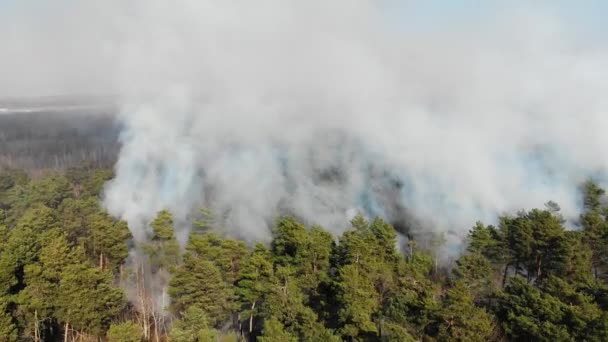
{"x": 328, "y": 108}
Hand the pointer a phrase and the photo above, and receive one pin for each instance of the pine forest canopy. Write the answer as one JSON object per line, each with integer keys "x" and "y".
{"x": 66, "y": 274}
{"x": 290, "y": 170}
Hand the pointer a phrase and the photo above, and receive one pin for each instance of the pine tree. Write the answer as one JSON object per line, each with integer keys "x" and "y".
{"x": 50, "y": 190}
{"x": 289, "y": 241}
{"x": 285, "y": 300}
{"x": 274, "y": 331}
{"x": 254, "y": 284}
{"x": 485, "y": 240}
{"x": 411, "y": 304}
{"x": 124, "y": 332}
{"x": 595, "y": 226}
{"x": 21, "y": 249}
{"x": 8, "y": 329}
{"x": 193, "y": 327}
{"x": 527, "y": 314}
{"x": 225, "y": 253}
{"x": 38, "y": 300}
{"x": 460, "y": 320}
{"x": 163, "y": 249}
{"x": 108, "y": 241}
{"x": 99, "y": 302}
{"x": 105, "y": 239}
{"x": 199, "y": 283}
{"x": 359, "y": 301}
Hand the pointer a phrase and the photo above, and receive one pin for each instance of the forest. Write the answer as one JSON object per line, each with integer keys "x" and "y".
{"x": 71, "y": 272}
{"x": 57, "y": 139}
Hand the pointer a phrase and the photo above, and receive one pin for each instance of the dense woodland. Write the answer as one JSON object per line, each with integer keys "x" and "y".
{"x": 66, "y": 275}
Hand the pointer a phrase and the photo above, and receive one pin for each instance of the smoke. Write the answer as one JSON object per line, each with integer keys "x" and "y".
{"x": 327, "y": 108}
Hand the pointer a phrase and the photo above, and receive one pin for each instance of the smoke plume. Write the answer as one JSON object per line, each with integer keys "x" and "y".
{"x": 327, "y": 108}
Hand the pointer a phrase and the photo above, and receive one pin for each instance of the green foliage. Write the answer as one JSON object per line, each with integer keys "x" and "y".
{"x": 359, "y": 301}
{"x": 485, "y": 240}
{"x": 225, "y": 253}
{"x": 460, "y": 320}
{"x": 289, "y": 242}
{"x": 199, "y": 283}
{"x": 274, "y": 331}
{"x": 104, "y": 238}
{"x": 315, "y": 259}
{"x": 475, "y": 271}
{"x": 10, "y": 178}
{"x": 536, "y": 244}
{"x": 39, "y": 219}
{"x": 256, "y": 275}
{"x": 20, "y": 250}
{"x": 88, "y": 182}
{"x": 193, "y": 327}
{"x": 124, "y": 332}
{"x": 204, "y": 223}
{"x": 411, "y": 304}
{"x": 163, "y": 249}
{"x": 99, "y": 302}
{"x": 557, "y": 311}
{"x": 592, "y": 196}
{"x": 39, "y": 299}
{"x": 50, "y": 190}
{"x": 162, "y": 227}
{"x": 367, "y": 279}
{"x": 285, "y": 302}
{"x": 529, "y": 278}
{"x": 527, "y": 313}
{"x": 8, "y": 329}
{"x": 254, "y": 283}
{"x": 595, "y": 227}
{"x": 48, "y": 279}
{"x": 107, "y": 241}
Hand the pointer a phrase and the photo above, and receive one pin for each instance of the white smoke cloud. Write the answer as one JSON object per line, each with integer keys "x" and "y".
{"x": 325, "y": 108}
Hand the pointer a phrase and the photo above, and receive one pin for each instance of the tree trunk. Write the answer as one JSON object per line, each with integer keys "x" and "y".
{"x": 595, "y": 271}
{"x": 36, "y": 327}
{"x": 65, "y": 333}
{"x": 504, "y": 275}
{"x": 251, "y": 318}
{"x": 101, "y": 261}
{"x": 143, "y": 300}
{"x": 121, "y": 274}
{"x": 162, "y": 322}
{"x": 156, "y": 323}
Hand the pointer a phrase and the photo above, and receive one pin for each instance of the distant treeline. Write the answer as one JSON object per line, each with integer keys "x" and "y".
{"x": 57, "y": 140}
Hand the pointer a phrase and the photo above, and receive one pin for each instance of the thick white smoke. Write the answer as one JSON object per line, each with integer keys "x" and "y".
{"x": 325, "y": 108}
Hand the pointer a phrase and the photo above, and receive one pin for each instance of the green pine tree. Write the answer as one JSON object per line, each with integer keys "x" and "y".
{"x": 124, "y": 332}
{"x": 199, "y": 283}
{"x": 274, "y": 331}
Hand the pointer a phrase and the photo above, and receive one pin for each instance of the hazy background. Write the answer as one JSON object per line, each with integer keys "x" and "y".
{"x": 432, "y": 113}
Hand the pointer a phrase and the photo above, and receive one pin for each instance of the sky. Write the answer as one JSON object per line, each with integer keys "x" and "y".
{"x": 34, "y": 50}
{"x": 589, "y": 15}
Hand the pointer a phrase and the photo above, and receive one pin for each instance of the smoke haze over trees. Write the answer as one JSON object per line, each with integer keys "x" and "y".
{"x": 57, "y": 140}
{"x": 278, "y": 97}
{"x": 66, "y": 274}
{"x": 187, "y": 171}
